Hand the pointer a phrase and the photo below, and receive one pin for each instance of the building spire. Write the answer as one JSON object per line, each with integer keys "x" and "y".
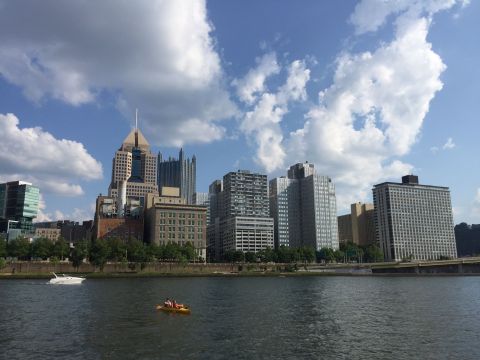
{"x": 136, "y": 120}
{"x": 136, "y": 127}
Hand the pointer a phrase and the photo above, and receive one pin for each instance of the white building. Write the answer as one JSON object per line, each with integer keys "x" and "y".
{"x": 414, "y": 221}
{"x": 304, "y": 209}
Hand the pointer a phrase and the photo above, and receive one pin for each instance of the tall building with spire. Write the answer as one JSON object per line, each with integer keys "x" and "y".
{"x": 181, "y": 173}
{"x": 134, "y": 167}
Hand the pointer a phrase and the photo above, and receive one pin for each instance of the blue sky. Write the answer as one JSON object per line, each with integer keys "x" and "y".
{"x": 367, "y": 90}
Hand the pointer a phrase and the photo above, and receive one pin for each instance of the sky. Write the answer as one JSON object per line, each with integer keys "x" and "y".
{"x": 367, "y": 90}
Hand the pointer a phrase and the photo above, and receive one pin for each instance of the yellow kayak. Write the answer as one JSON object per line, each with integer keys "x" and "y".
{"x": 182, "y": 310}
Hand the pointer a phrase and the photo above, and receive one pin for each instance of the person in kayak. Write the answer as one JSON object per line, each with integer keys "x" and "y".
{"x": 168, "y": 303}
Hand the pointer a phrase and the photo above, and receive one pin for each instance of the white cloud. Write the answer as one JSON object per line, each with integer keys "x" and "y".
{"x": 34, "y": 155}
{"x": 369, "y": 15}
{"x": 373, "y": 112}
{"x": 42, "y": 215}
{"x": 78, "y": 214}
{"x": 254, "y": 82}
{"x": 157, "y": 56}
{"x": 449, "y": 144}
{"x": 262, "y": 123}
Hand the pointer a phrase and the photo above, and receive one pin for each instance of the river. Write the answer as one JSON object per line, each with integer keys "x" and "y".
{"x": 325, "y": 317}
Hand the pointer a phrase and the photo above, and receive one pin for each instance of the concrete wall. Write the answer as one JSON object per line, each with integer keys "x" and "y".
{"x": 37, "y": 267}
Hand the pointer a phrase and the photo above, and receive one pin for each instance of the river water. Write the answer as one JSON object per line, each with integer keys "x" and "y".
{"x": 243, "y": 318}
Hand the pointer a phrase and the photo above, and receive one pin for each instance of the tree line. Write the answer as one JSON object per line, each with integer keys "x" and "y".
{"x": 101, "y": 251}
{"x": 351, "y": 252}
{"x": 40, "y": 249}
{"x": 281, "y": 255}
{"x": 348, "y": 252}
{"x": 98, "y": 252}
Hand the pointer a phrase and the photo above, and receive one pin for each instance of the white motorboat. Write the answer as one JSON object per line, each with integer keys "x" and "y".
{"x": 66, "y": 280}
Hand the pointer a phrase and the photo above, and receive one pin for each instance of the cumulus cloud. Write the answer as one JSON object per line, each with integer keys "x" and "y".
{"x": 78, "y": 214}
{"x": 42, "y": 215}
{"x": 369, "y": 15}
{"x": 34, "y": 155}
{"x": 373, "y": 112}
{"x": 157, "y": 56}
{"x": 254, "y": 81}
{"x": 262, "y": 123}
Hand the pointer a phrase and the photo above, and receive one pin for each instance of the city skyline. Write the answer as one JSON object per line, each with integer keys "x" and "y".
{"x": 256, "y": 98}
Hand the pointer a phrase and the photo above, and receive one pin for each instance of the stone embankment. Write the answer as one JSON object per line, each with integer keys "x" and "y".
{"x": 45, "y": 269}
{"x": 26, "y": 269}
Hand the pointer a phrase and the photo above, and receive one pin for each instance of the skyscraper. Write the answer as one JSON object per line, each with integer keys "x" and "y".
{"x": 241, "y": 209}
{"x": 414, "y": 221}
{"x": 203, "y": 200}
{"x": 181, "y": 173}
{"x": 18, "y": 204}
{"x": 363, "y": 224}
{"x": 279, "y": 195}
{"x": 358, "y": 226}
{"x": 304, "y": 208}
{"x": 135, "y": 167}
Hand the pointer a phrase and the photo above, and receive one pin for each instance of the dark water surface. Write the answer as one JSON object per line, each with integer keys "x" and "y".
{"x": 243, "y": 318}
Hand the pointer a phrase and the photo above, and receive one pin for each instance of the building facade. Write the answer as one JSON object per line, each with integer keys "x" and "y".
{"x": 71, "y": 231}
{"x": 304, "y": 208}
{"x": 108, "y": 225}
{"x": 134, "y": 167}
{"x": 239, "y": 209}
{"x": 414, "y": 221}
{"x": 280, "y": 193}
{"x": 363, "y": 224}
{"x": 48, "y": 233}
{"x": 18, "y": 206}
{"x": 180, "y": 173}
{"x": 357, "y": 227}
{"x": 202, "y": 199}
{"x": 345, "y": 229}
{"x": 170, "y": 219}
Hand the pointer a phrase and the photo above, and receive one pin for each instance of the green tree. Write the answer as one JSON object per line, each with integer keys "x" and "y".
{"x": 3, "y": 246}
{"x": 238, "y": 256}
{"x": 60, "y": 248}
{"x": 352, "y": 251}
{"x": 136, "y": 251}
{"x": 326, "y": 254}
{"x": 188, "y": 251}
{"x": 250, "y": 257}
{"x": 234, "y": 256}
{"x": 373, "y": 253}
{"x": 171, "y": 252}
{"x": 285, "y": 254}
{"x": 42, "y": 248}
{"x": 339, "y": 255}
{"x": 267, "y": 255}
{"x": 99, "y": 253}
{"x": 307, "y": 254}
{"x": 19, "y": 248}
{"x": 78, "y": 253}
{"x": 118, "y": 250}
{"x": 153, "y": 252}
